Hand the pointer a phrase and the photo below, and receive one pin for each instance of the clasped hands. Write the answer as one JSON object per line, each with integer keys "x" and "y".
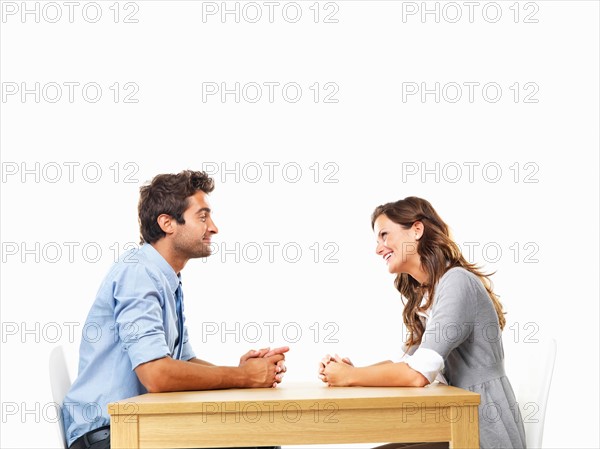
{"x": 335, "y": 371}
{"x": 265, "y": 367}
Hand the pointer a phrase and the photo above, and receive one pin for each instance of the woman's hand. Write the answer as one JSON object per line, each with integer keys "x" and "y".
{"x": 322, "y": 364}
{"x": 346, "y": 360}
{"x": 325, "y": 367}
{"x": 337, "y": 373}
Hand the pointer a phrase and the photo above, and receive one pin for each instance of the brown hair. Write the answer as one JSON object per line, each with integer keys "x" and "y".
{"x": 168, "y": 194}
{"x": 438, "y": 253}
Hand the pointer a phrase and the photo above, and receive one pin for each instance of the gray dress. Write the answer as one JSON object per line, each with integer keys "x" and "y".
{"x": 463, "y": 329}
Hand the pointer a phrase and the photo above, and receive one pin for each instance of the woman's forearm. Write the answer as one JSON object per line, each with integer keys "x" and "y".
{"x": 387, "y": 374}
{"x": 381, "y": 363}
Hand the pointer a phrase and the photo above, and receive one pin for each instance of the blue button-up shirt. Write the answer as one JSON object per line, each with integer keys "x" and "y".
{"x": 132, "y": 321}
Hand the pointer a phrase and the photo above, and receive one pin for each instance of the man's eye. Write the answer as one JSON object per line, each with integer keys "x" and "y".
{"x": 203, "y": 218}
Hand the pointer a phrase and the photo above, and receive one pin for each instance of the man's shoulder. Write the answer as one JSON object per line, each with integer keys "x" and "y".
{"x": 133, "y": 263}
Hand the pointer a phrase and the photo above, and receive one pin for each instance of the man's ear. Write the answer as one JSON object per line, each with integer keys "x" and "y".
{"x": 166, "y": 223}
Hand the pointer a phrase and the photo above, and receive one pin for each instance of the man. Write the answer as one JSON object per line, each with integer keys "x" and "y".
{"x": 136, "y": 339}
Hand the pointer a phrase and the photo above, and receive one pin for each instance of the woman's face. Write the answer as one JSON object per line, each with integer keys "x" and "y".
{"x": 396, "y": 245}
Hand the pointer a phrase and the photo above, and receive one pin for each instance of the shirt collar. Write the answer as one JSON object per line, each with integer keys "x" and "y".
{"x": 156, "y": 258}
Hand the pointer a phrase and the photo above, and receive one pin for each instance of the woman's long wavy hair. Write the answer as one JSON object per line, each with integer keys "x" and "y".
{"x": 438, "y": 253}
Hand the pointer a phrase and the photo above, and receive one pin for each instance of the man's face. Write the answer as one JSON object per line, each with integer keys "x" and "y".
{"x": 192, "y": 239}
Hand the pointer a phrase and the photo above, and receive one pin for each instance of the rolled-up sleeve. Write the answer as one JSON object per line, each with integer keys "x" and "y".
{"x": 429, "y": 363}
{"x": 139, "y": 315}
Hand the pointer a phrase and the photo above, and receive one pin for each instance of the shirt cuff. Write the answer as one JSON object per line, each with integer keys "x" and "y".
{"x": 187, "y": 352}
{"x": 146, "y": 349}
{"x": 441, "y": 379}
{"x": 426, "y": 361}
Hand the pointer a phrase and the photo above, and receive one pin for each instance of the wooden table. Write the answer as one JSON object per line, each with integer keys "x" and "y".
{"x": 296, "y": 414}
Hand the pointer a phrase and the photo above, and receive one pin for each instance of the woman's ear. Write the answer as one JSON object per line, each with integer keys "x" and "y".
{"x": 418, "y": 229}
{"x": 166, "y": 223}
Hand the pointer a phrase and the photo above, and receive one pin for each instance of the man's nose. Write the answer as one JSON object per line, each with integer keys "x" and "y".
{"x": 212, "y": 227}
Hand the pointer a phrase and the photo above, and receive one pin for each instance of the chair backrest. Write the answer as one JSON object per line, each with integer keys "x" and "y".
{"x": 60, "y": 382}
{"x": 537, "y": 366}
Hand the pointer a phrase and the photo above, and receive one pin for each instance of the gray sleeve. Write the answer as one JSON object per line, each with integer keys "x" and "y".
{"x": 454, "y": 313}
{"x": 405, "y": 353}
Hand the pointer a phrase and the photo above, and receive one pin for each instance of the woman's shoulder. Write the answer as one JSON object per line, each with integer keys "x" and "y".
{"x": 459, "y": 277}
{"x": 458, "y": 273}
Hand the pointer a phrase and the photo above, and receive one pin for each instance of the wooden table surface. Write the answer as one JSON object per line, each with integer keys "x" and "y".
{"x": 307, "y": 413}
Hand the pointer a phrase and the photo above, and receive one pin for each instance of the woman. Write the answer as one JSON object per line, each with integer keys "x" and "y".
{"x": 453, "y": 319}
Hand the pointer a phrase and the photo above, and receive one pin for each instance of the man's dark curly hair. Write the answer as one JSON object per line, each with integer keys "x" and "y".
{"x": 168, "y": 194}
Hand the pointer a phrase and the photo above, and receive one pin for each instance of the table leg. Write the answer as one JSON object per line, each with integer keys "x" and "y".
{"x": 124, "y": 432}
{"x": 464, "y": 427}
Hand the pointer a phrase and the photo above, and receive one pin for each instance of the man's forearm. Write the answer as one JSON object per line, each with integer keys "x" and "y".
{"x": 167, "y": 374}
{"x": 200, "y": 362}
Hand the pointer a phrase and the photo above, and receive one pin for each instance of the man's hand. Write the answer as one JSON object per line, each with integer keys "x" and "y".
{"x": 281, "y": 368}
{"x": 261, "y": 372}
{"x": 280, "y": 350}
{"x": 265, "y": 353}
{"x": 252, "y": 354}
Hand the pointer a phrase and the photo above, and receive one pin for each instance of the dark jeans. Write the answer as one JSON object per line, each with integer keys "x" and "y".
{"x": 94, "y": 439}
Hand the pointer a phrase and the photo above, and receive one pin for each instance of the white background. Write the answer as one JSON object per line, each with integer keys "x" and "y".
{"x": 546, "y": 229}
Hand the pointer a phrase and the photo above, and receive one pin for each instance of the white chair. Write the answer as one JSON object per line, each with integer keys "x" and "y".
{"x": 537, "y": 365}
{"x": 60, "y": 382}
